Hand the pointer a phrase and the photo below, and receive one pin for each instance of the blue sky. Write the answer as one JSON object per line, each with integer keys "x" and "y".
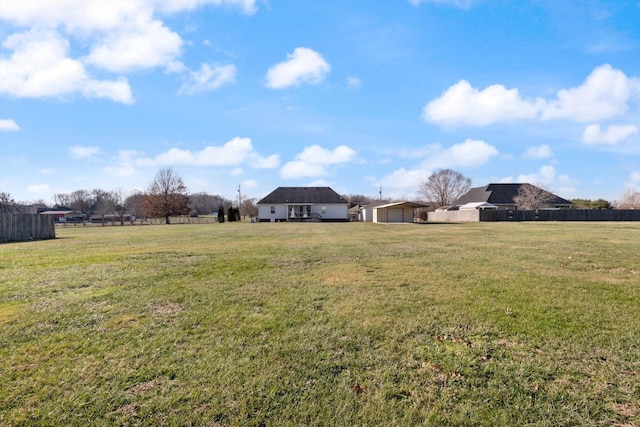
{"x": 356, "y": 95}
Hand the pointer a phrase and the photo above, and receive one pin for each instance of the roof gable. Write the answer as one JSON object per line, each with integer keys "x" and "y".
{"x": 303, "y": 195}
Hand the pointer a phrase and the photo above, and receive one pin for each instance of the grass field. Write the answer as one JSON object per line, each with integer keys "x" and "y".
{"x": 323, "y": 324}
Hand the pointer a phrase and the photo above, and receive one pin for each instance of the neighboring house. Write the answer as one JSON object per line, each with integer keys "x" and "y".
{"x": 503, "y": 197}
{"x": 303, "y": 204}
{"x": 354, "y": 212}
{"x": 396, "y": 212}
{"x": 63, "y": 215}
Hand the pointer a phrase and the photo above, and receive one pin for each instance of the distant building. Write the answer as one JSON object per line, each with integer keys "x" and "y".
{"x": 503, "y": 196}
{"x": 396, "y": 212}
{"x": 303, "y": 204}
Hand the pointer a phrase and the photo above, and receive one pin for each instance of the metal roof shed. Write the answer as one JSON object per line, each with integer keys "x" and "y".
{"x": 396, "y": 212}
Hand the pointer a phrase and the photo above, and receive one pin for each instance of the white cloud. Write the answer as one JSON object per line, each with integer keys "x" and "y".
{"x": 209, "y": 77}
{"x": 545, "y": 176}
{"x": 354, "y": 82}
{"x": 84, "y": 16}
{"x": 548, "y": 178}
{"x": 469, "y": 153}
{"x": 38, "y": 189}
{"x": 604, "y": 94}
{"x": 634, "y": 180}
{"x": 121, "y": 171}
{"x": 175, "y": 67}
{"x": 313, "y": 160}
{"x": 40, "y": 67}
{"x": 538, "y": 152}
{"x": 114, "y": 36}
{"x": 126, "y": 166}
{"x": 92, "y": 15}
{"x": 268, "y": 162}
{"x": 304, "y": 65}
{"x": 461, "y": 4}
{"x": 612, "y": 135}
{"x": 462, "y": 104}
{"x": 245, "y": 6}
{"x": 466, "y": 154}
{"x": 249, "y": 183}
{"x": 233, "y": 153}
{"x": 299, "y": 169}
{"x": 8, "y": 125}
{"x": 404, "y": 179}
{"x": 146, "y": 44}
{"x": 318, "y": 155}
{"x": 116, "y": 90}
{"x": 83, "y": 152}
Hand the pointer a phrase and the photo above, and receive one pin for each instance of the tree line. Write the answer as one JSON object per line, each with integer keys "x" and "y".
{"x": 168, "y": 196}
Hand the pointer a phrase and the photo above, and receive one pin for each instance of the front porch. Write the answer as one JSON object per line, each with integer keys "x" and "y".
{"x": 302, "y": 213}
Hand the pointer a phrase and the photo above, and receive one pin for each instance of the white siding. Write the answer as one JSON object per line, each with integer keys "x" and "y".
{"x": 264, "y": 212}
{"x": 333, "y": 211}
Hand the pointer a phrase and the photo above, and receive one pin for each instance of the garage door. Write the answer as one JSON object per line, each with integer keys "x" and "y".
{"x": 396, "y": 215}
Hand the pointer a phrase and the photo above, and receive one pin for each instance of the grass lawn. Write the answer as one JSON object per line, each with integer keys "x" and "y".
{"x": 323, "y": 324}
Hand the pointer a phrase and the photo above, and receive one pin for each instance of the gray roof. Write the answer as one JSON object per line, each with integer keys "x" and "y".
{"x": 402, "y": 204}
{"x": 303, "y": 195}
{"x": 500, "y": 194}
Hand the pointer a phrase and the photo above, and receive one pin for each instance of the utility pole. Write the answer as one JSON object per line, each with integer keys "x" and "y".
{"x": 239, "y": 201}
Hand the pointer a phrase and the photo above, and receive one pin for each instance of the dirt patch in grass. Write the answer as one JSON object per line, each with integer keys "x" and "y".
{"x": 142, "y": 387}
{"x": 168, "y": 308}
{"x": 129, "y": 410}
{"x": 627, "y": 410}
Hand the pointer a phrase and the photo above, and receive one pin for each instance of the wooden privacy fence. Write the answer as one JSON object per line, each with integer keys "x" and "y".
{"x": 21, "y": 227}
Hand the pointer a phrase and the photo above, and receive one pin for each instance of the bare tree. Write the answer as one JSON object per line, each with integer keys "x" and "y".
{"x": 167, "y": 195}
{"x": 103, "y": 203}
{"x": 61, "y": 200}
{"x": 134, "y": 203}
{"x": 249, "y": 207}
{"x": 359, "y": 199}
{"x": 81, "y": 201}
{"x": 531, "y": 197}
{"x": 118, "y": 196}
{"x": 444, "y": 186}
{"x": 206, "y": 204}
{"x": 7, "y": 204}
{"x": 630, "y": 200}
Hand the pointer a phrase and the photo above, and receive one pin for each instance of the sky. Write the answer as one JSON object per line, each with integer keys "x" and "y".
{"x": 365, "y": 96}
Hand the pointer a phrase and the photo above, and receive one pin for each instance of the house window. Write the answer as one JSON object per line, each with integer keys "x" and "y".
{"x": 323, "y": 209}
{"x": 273, "y": 210}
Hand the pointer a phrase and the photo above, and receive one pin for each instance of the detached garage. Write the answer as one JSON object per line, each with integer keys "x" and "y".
{"x": 396, "y": 212}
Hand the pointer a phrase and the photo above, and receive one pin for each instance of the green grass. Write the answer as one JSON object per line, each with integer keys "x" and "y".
{"x": 323, "y": 324}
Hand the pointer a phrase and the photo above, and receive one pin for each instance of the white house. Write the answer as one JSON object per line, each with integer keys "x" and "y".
{"x": 303, "y": 204}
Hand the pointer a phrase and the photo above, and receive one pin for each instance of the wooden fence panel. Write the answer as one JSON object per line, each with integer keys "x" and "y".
{"x": 23, "y": 227}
